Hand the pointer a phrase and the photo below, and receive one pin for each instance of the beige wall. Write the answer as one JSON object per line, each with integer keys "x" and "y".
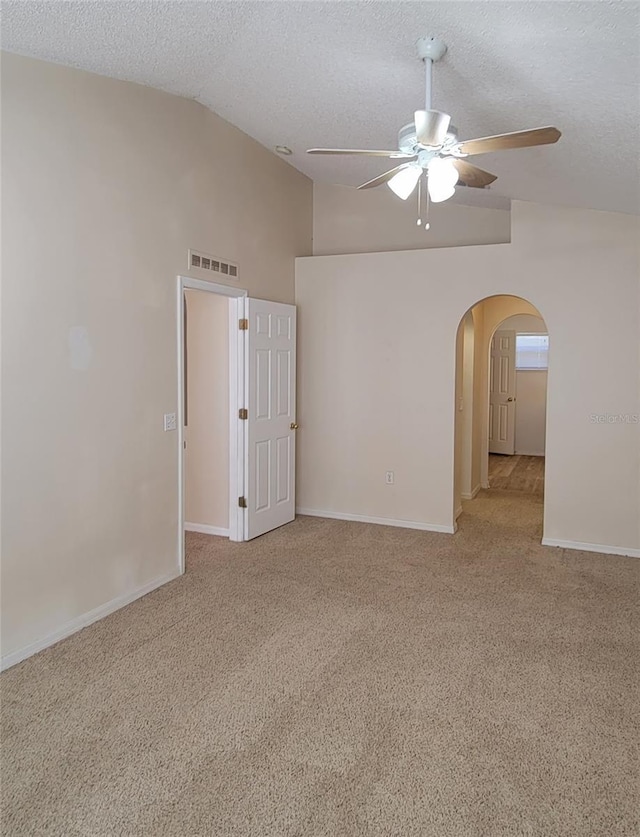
{"x": 524, "y": 324}
{"x": 206, "y": 462}
{"x": 531, "y": 412}
{"x": 105, "y": 185}
{"x": 348, "y": 221}
{"x": 379, "y": 394}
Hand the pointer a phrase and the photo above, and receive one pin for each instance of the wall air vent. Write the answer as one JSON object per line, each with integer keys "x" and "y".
{"x": 212, "y": 264}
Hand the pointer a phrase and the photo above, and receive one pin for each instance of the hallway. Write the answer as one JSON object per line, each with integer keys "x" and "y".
{"x": 517, "y": 473}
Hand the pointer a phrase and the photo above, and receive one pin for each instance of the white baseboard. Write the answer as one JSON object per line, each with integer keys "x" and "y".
{"x": 593, "y": 547}
{"x": 382, "y": 521}
{"x": 205, "y": 529}
{"x": 80, "y": 622}
{"x": 467, "y": 496}
{"x": 458, "y": 511}
{"x": 529, "y": 453}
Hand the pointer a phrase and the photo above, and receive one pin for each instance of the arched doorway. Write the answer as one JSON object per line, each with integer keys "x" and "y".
{"x": 500, "y": 415}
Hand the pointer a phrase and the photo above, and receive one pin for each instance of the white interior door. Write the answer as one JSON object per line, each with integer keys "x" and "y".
{"x": 502, "y": 393}
{"x": 271, "y": 402}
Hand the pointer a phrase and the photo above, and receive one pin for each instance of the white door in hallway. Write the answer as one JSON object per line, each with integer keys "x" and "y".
{"x": 270, "y": 379}
{"x": 502, "y": 393}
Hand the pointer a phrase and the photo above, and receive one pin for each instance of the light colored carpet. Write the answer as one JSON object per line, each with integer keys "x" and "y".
{"x": 344, "y": 679}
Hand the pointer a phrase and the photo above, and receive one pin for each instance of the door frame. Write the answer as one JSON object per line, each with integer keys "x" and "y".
{"x": 482, "y": 404}
{"x": 236, "y": 298}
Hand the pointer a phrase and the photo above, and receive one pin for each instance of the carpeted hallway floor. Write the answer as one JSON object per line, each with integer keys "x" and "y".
{"x": 344, "y": 679}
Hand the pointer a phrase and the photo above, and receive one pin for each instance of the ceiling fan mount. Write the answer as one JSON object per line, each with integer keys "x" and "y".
{"x": 408, "y": 139}
{"x": 431, "y": 47}
{"x": 429, "y": 145}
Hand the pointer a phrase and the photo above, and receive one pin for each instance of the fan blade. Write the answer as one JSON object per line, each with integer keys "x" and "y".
{"x": 517, "y": 139}
{"x": 382, "y": 178}
{"x": 362, "y": 151}
{"x": 472, "y": 175}
{"x": 431, "y": 127}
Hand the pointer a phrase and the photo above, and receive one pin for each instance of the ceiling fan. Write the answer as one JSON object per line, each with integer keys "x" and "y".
{"x": 430, "y": 146}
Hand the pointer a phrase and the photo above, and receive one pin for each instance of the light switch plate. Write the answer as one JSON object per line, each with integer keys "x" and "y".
{"x": 169, "y": 421}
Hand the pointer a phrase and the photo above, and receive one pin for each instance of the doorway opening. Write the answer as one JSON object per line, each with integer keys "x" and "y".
{"x": 211, "y": 450}
{"x": 206, "y": 413}
{"x": 242, "y": 395}
{"x": 518, "y": 404}
{"x": 502, "y": 351}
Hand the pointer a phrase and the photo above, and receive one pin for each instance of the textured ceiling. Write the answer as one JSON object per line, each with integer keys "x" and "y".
{"x": 306, "y": 74}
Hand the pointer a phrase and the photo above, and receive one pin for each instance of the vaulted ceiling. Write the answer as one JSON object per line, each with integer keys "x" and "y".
{"x": 342, "y": 73}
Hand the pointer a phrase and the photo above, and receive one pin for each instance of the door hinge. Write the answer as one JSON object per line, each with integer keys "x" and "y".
{"x": 243, "y": 413}
{"x": 243, "y": 325}
{"x": 242, "y": 502}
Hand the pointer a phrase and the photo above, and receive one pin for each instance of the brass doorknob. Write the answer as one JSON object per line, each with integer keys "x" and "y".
{"x": 293, "y": 425}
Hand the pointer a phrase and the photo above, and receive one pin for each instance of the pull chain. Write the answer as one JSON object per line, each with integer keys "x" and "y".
{"x": 427, "y": 225}
{"x": 422, "y": 205}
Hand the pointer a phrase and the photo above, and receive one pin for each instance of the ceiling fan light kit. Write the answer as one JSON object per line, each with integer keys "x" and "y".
{"x": 442, "y": 177}
{"x": 430, "y": 146}
{"x": 404, "y": 182}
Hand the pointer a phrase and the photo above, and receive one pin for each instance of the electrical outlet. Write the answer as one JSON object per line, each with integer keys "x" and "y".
{"x": 169, "y": 421}
{"x": 388, "y": 477}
